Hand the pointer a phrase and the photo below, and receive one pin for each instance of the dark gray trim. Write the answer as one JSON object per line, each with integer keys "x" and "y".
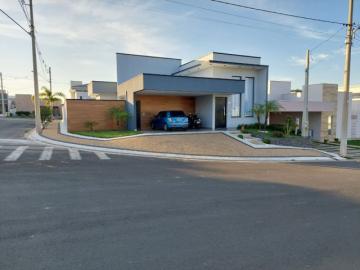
{"x": 233, "y": 54}
{"x": 186, "y": 69}
{"x": 194, "y": 77}
{"x": 142, "y": 55}
{"x": 237, "y": 64}
{"x": 104, "y": 81}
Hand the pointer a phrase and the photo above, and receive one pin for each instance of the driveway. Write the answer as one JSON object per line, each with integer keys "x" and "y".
{"x": 203, "y": 144}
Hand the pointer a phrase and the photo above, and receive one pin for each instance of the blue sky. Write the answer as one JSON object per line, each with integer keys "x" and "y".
{"x": 79, "y": 39}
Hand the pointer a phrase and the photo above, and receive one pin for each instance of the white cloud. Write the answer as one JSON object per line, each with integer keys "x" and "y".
{"x": 314, "y": 59}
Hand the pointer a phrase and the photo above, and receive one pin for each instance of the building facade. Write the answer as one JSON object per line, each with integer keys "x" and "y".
{"x": 220, "y": 88}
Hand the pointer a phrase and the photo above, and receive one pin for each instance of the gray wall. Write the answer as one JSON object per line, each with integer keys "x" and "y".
{"x": 204, "y": 110}
{"x": 129, "y": 65}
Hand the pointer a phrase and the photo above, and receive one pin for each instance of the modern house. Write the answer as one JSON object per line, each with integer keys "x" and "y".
{"x": 220, "y": 88}
{"x": 100, "y": 90}
{"x": 325, "y": 106}
{"x": 354, "y": 110}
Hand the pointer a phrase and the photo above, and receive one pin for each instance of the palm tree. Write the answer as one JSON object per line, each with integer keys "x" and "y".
{"x": 259, "y": 110}
{"x": 271, "y": 106}
{"x": 49, "y": 97}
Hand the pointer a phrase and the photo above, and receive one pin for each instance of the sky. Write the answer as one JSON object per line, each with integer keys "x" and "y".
{"x": 79, "y": 39}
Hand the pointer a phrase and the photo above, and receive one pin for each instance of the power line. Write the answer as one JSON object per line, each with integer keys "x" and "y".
{"x": 23, "y": 8}
{"x": 244, "y": 17}
{"x": 326, "y": 40}
{"x": 278, "y": 13}
{"x": 7, "y": 15}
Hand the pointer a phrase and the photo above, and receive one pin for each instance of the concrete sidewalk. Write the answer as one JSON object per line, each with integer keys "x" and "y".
{"x": 211, "y": 144}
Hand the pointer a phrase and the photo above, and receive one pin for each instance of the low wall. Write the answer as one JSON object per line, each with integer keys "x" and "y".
{"x": 80, "y": 111}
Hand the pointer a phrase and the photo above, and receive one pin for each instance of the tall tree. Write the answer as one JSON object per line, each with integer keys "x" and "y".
{"x": 271, "y": 106}
{"x": 259, "y": 111}
{"x": 49, "y": 97}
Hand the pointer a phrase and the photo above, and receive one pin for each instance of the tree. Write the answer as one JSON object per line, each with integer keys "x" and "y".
{"x": 271, "y": 106}
{"x": 118, "y": 115}
{"x": 50, "y": 98}
{"x": 259, "y": 110}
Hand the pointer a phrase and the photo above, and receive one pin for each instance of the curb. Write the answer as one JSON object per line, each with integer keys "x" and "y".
{"x": 36, "y": 137}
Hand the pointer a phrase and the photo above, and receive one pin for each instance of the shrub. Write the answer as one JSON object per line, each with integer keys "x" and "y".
{"x": 119, "y": 115}
{"x": 289, "y": 126}
{"x": 336, "y": 140}
{"x": 278, "y": 134}
{"x": 90, "y": 125}
{"x": 267, "y": 141}
{"x": 326, "y": 140}
{"x": 241, "y": 136}
{"x": 23, "y": 113}
{"x": 275, "y": 127}
{"x": 45, "y": 114}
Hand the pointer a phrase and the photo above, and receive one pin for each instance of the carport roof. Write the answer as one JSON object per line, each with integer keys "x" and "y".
{"x": 182, "y": 85}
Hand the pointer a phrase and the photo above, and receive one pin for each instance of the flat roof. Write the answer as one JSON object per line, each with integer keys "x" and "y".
{"x": 151, "y": 56}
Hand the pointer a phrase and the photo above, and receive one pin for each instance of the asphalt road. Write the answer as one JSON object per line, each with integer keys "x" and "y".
{"x": 142, "y": 213}
{"x": 15, "y": 128}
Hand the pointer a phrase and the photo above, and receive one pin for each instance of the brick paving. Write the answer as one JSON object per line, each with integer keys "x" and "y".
{"x": 209, "y": 144}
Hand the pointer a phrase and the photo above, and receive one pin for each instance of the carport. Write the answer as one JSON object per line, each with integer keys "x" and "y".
{"x": 147, "y": 94}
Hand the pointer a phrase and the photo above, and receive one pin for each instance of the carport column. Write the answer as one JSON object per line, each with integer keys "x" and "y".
{"x": 213, "y": 113}
{"x": 130, "y": 106}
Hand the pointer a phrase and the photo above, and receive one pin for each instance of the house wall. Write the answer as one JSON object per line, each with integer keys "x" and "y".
{"x": 151, "y": 105}
{"x": 260, "y": 89}
{"x": 80, "y": 111}
{"x": 129, "y": 65}
{"x": 24, "y": 103}
{"x": 102, "y": 90}
{"x": 277, "y": 89}
{"x": 204, "y": 107}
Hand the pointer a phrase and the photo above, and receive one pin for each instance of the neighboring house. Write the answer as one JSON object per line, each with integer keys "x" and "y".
{"x": 220, "y": 88}
{"x": 354, "y": 108}
{"x": 78, "y": 90}
{"x": 23, "y": 103}
{"x": 99, "y": 90}
{"x": 323, "y": 108}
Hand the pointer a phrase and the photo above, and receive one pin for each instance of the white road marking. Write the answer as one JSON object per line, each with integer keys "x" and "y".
{"x": 46, "y": 153}
{"x": 74, "y": 154}
{"x": 14, "y": 155}
{"x": 102, "y": 155}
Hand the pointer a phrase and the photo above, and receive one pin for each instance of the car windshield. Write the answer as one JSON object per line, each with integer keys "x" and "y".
{"x": 177, "y": 114}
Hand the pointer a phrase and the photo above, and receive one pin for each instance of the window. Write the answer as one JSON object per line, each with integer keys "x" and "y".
{"x": 249, "y": 97}
{"x": 329, "y": 122}
{"x": 236, "y": 105}
{"x": 236, "y": 102}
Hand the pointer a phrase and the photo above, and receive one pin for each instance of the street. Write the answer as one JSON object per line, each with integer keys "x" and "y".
{"x": 128, "y": 212}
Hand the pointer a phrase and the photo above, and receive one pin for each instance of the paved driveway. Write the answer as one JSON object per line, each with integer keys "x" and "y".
{"x": 213, "y": 144}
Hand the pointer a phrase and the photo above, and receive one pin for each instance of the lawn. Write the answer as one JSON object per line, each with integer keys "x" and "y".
{"x": 354, "y": 142}
{"x": 107, "y": 134}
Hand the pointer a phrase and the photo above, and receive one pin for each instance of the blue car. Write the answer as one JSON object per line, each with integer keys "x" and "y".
{"x": 167, "y": 120}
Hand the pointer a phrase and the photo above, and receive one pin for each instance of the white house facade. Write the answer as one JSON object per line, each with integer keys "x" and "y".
{"x": 220, "y": 88}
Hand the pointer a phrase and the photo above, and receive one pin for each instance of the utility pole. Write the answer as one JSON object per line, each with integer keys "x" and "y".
{"x": 38, "y": 125}
{"x": 305, "y": 116}
{"x": 3, "y": 112}
{"x": 50, "y": 81}
{"x": 345, "y": 112}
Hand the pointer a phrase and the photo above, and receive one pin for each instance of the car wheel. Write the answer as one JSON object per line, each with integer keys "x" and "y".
{"x": 166, "y": 128}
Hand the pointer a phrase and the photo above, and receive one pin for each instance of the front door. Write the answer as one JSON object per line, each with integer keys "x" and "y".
{"x": 138, "y": 115}
{"x": 220, "y": 112}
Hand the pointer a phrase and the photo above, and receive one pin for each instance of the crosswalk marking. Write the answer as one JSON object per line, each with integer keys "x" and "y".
{"x": 14, "y": 155}
{"x": 102, "y": 155}
{"x": 46, "y": 153}
{"x": 74, "y": 154}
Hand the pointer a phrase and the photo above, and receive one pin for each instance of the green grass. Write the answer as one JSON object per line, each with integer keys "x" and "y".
{"x": 354, "y": 142}
{"x": 107, "y": 134}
